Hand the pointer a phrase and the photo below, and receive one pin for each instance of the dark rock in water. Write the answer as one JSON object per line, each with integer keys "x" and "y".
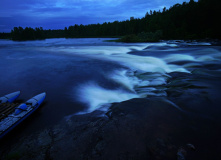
{"x": 144, "y": 128}
{"x": 136, "y": 129}
{"x": 215, "y": 42}
{"x": 181, "y": 154}
{"x": 191, "y": 146}
{"x": 181, "y": 62}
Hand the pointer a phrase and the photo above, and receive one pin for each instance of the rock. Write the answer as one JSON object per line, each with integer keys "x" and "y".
{"x": 181, "y": 154}
{"x": 132, "y": 129}
{"x": 141, "y": 128}
{"x": 191, "y": 146}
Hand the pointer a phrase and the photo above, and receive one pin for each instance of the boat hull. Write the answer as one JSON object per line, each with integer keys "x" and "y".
{"x": 13, "y": 120}
{"x": 9, "y": 97}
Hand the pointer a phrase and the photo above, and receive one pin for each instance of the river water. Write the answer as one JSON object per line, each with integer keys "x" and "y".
{"x": 83, "y": 75}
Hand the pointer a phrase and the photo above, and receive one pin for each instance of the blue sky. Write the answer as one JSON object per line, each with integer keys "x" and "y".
{"x": 57, "y": 14}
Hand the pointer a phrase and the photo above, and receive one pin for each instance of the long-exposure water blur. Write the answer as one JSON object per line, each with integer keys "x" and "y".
{"x": 81, "y": 76}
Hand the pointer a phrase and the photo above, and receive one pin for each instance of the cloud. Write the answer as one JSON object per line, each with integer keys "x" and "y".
{"x": 69, "y": 12}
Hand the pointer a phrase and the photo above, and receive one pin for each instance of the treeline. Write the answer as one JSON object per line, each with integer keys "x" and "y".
{"x": 193, "y": 20}
{"x": 5, "y": 35}
{"x": 27, "y": 34}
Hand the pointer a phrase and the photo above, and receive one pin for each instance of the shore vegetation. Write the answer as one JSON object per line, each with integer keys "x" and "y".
{"x": 188, "y": 21}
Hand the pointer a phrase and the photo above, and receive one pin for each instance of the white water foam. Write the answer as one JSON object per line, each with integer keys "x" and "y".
{"x": 178, "y": 57}
{"x": 127, "y": 79}
{"x": 97, "y": 97}
{"x": 131, "y": 81}
{"x": 141, "y": 76}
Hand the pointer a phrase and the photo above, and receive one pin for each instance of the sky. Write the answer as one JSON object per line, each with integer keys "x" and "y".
{"x": 57, "y": 14}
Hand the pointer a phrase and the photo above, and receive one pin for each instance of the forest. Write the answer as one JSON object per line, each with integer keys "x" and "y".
{"x": 189, "y": 20}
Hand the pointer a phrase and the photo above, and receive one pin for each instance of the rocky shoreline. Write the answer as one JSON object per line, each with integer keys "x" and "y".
{"x": 181, "y": 126}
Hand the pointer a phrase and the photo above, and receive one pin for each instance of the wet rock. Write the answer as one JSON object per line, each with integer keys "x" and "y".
{"x": 191, "y": 146}
{"x": 162, "y": 149}
{"x": 215, "y": 42}
{"x": 142, "y": 128}
{"x": 134, "y": 128}
{"x": 181, "y": 154}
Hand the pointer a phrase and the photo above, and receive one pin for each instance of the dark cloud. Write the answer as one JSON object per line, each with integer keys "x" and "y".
{"x": 60, "y": 13}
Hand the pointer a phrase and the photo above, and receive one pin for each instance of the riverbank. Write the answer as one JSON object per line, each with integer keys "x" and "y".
{"x": 185, "y": 124}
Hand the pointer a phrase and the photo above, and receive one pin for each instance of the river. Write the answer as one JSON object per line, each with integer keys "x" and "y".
{"x": 84, "y": 75}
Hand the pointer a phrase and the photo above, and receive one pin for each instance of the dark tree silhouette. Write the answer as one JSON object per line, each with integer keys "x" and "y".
{"x": 193, "y": 20}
